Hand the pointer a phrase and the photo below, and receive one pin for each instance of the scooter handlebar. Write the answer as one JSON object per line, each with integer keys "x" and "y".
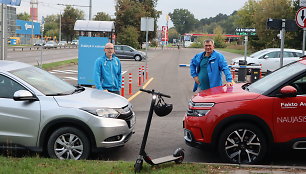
{"x": 156, "y": 93}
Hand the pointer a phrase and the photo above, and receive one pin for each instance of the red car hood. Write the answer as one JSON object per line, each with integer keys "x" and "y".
{"x": 223, "y": 94}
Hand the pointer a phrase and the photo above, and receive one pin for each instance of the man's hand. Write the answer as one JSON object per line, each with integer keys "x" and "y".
{"x": 229, "y": 84}
{"x": 196, "y": 79}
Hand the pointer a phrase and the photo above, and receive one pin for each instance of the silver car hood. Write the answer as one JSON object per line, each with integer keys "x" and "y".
{"x": 91, "y": 98}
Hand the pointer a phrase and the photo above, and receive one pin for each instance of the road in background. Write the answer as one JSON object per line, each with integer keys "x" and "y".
{"x": 48, "y": 55}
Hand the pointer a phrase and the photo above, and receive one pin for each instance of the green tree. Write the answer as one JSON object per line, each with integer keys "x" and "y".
{"x": 102, "y": 16}
{"x": 129, "y": 13}
{"x": 255, "y": 14}
{"x": 183, "y": 20}
{"x": 69, "y": 17}
{"x": 129, "y": 36}
{"x": 51, "y": 27}
{"x": 24, "y": 16}
{"x": 173, "y": 34}
{"x": 219, "y": 37}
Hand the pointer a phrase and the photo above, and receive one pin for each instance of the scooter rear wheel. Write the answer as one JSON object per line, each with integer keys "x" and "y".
{"x": 179, "y": 153}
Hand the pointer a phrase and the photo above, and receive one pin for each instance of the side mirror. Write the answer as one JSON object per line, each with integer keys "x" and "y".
{"x": 131, "y": 50}
{"x": 23, "y": 95}
{"x": 288, "y": 91}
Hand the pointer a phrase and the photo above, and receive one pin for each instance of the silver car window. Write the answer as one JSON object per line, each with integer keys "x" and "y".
{"x": 8, "y": 87}
{"x": 277, "y": 77}
{"x": 43, "y": 81}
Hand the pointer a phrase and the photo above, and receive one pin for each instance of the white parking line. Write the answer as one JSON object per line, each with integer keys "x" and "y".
{"x": 64, "y": 72}
{"x": 70, "y": 78}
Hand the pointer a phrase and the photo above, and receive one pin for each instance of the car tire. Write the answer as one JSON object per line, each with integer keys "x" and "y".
{"x": 68, "y": 143}
{"x": 138, "y": 58}
{"x": 242, "y": 143}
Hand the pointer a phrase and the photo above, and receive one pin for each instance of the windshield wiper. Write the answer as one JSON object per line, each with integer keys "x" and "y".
{"x": 57, "y": 94}
{"x": 78, "y": 89}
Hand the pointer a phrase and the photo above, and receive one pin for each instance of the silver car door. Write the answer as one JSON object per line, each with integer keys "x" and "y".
{"x": 19, "y": 120}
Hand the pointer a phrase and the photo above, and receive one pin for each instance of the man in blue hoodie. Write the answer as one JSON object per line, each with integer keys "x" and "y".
{"x": 107, "y": 71}
{"x": 206, "y": 68}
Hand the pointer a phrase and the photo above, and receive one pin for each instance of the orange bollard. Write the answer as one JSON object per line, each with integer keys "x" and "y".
{"x": 233, "y": 74}
{"x": 122, "y": 87}
{"x": 147, "y": 73}
{"x": 139, "y": 77}
{"x": 130, "y": 84}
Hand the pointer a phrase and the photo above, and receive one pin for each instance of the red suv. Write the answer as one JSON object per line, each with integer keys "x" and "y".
{"x": 244, "y": 121}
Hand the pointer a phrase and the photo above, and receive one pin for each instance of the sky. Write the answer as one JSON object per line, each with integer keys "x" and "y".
{"x": 199, "y": 8}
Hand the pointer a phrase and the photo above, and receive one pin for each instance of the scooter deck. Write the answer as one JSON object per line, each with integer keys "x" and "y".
{"x": 164, "y": 159}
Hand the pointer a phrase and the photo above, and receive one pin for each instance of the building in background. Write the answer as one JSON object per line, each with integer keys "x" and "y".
{"x": 26, "y": 29}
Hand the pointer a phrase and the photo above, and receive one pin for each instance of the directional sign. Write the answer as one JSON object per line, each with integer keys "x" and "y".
{"x": 300, "y": 17}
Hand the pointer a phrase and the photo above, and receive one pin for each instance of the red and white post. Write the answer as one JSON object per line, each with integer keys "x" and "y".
{"x": 143, "y": 73}
{"x": 122, "y": 87}
{"x": 147, "y": 73}
{"x": 139, "y": 77}
{"x": 130, "y": 84}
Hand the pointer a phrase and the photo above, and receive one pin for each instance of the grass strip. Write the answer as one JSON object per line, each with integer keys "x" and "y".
{"x": 53, "y": 65}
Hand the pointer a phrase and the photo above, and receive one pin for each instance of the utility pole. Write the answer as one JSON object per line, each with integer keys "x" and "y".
{"x": 60, "y": 27}
{"x": 90, "y": 6}
{"x": 3, "y": 31}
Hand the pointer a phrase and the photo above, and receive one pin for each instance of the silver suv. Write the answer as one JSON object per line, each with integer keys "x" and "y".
{"x": 41, "y": 112}
{"x": 127, "y": 52}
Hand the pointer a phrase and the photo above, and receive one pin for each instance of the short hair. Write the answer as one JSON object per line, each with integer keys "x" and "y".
{"x": 209, "y": 40}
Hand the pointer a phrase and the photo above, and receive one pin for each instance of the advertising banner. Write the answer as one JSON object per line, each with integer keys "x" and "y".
{"x": 11, "y": 2}
{"x": 27, "y": 27}
{"x": 90, "y": 48}
{"x": 164, "y": 33}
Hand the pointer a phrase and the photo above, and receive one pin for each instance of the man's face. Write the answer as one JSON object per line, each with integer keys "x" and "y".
{"x": 209, "y": 47}
{"x": 109, "y": 50}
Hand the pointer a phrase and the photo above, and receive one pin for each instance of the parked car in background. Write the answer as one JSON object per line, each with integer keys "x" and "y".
{"x": 269, "y": 58}
{"x": 128, "y": 52}
{"x": 62, "y": 43}
{"x": 244, "y": 122}
{"x": 43, "y": 113}
{"x": 39, "y": 43}
{"x": 50, "y": 44}
{"x": 75, "y": 42}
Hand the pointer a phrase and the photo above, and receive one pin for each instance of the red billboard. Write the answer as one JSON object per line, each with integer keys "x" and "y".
{"x": 164, "y": 33}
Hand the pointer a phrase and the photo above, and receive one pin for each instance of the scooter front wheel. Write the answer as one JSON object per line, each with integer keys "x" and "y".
{"x": 179, "y": 153}
{"x": 138, "y": 165}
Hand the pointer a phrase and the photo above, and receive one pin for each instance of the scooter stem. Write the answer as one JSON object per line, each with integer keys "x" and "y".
{"x": 146, "y": 132}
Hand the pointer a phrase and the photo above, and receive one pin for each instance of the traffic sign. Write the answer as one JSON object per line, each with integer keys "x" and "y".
{"x": 300, "y": 17}
{"x": 302, "y": 3}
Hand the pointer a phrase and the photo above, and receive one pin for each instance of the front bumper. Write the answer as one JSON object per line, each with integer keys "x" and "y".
{"x": 190, "y": 141}
{"x": 111, "y": 132}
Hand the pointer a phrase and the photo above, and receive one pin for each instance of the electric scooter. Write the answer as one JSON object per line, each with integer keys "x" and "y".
{"x": 178, "y": 155}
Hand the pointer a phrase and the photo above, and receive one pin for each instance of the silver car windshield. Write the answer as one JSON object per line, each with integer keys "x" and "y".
{"x": 43, "y": 81}
{"x": 277, "y": 77}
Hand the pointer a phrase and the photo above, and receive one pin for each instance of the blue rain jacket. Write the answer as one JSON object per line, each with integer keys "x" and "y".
{"x": 107, "y": 73}
{"x": 216, "y": 64}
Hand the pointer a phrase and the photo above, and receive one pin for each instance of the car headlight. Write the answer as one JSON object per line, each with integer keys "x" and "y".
{"x": 103, "y": 112}
{"x": 199, "y": 109}
{"x": 197, "y": 113}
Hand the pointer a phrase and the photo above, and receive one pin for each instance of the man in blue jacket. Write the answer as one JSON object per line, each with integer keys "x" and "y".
{"x": 206, "y": 68}
{"x": 107, "y": 71}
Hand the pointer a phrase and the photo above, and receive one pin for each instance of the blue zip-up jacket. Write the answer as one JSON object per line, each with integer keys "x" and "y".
{"x": 216, "y": 64}
{"x": 107, "y": 73}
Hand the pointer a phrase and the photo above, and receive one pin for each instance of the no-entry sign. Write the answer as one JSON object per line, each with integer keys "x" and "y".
{"x": 300, "y": 17}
